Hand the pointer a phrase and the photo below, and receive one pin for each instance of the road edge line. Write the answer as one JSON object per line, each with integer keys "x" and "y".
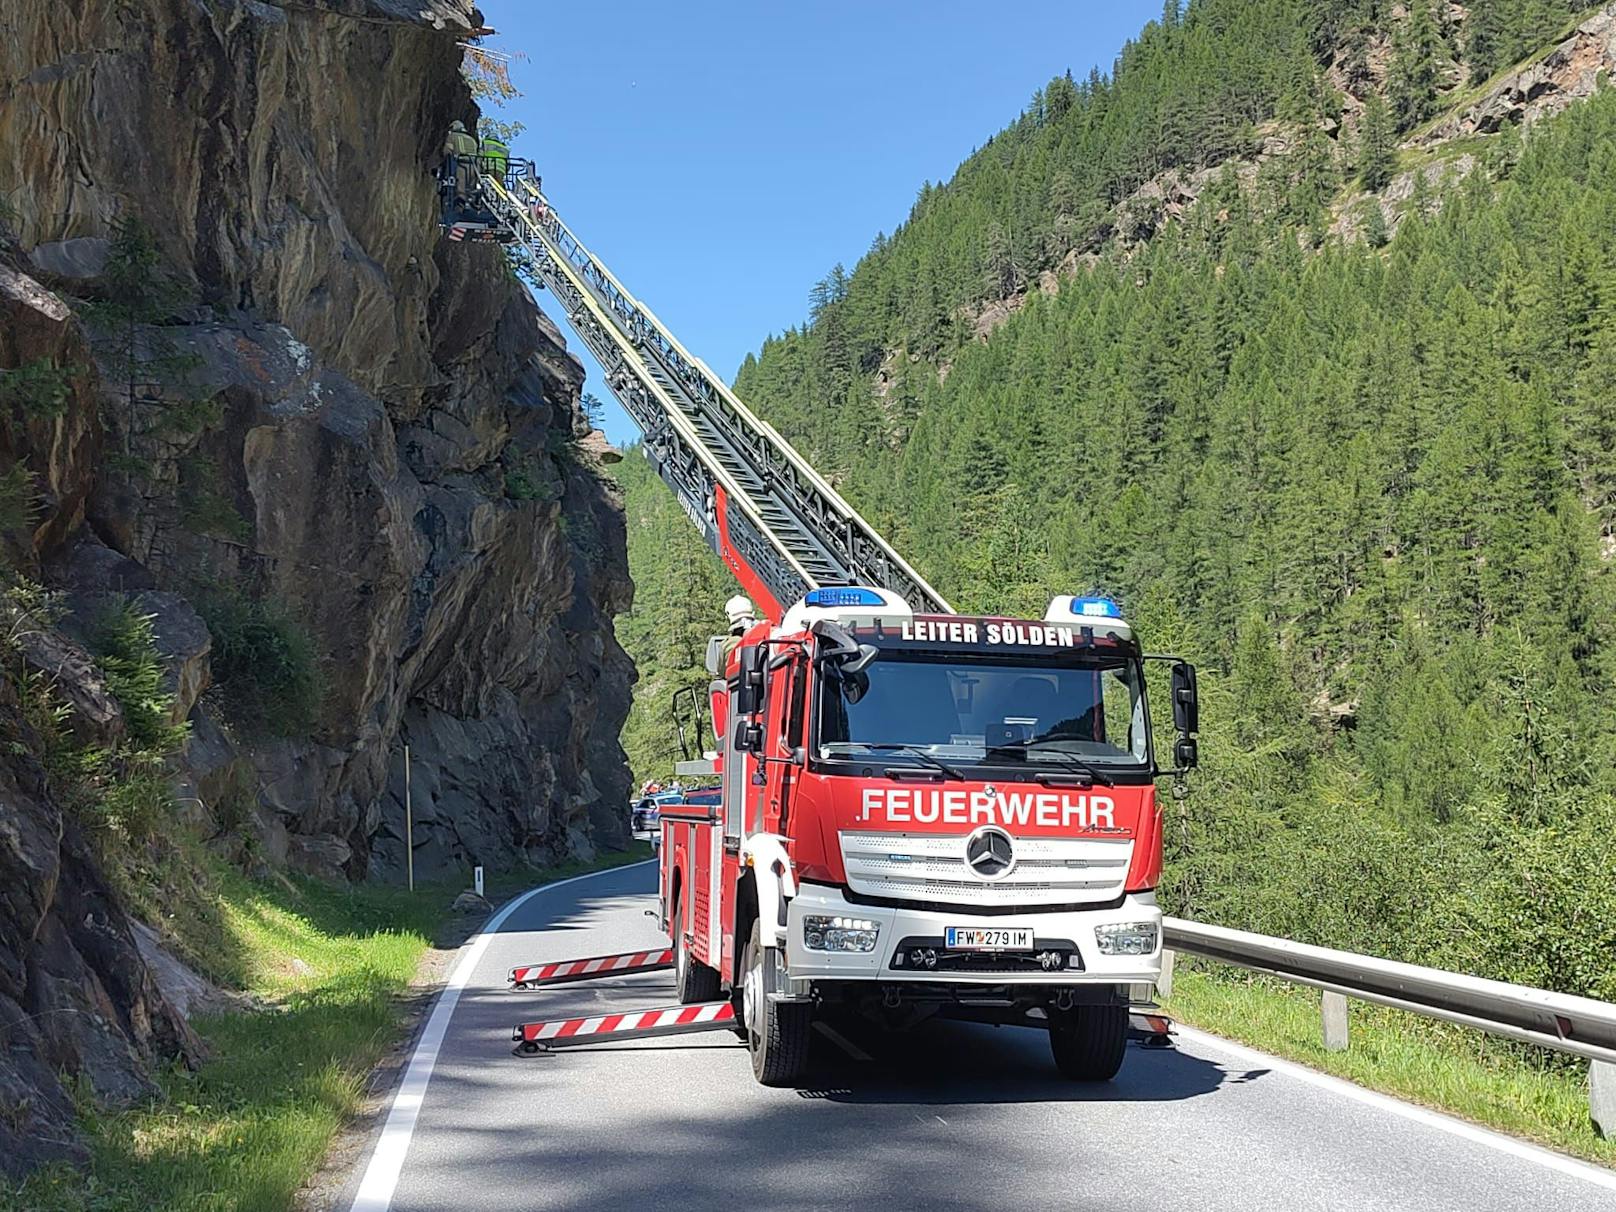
{"x": 392, "y": 1146}
{"x": 1530, "y": 1151}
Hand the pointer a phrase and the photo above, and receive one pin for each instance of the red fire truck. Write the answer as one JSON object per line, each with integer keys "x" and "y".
{"x": 923, "y": 815}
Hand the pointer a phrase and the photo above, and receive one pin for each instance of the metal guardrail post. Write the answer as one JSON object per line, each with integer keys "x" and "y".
{"x": 1333, "y": 1014}
{"x": 1602, "y": 1097}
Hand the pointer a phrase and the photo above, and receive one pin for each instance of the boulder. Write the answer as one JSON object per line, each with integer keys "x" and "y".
{"x": 82, "y": 259}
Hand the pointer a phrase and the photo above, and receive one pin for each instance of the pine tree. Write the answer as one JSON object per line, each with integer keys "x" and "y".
{"x": 1416, "y": 69}
{"x": 1377, "y": 142}
{"x": 1485, "y": 40}
{"x": 1376, "y": 234}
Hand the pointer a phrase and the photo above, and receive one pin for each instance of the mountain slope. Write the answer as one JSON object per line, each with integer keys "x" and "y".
{"x": 1369, "y": 488}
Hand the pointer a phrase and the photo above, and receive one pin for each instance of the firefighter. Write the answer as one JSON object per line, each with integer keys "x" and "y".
{"x": 742, "y": 618}
{"x": 460, "y": 160}
{"x": 496, "y": 157}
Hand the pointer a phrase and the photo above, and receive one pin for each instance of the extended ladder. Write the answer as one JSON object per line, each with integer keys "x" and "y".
{"x": 775, "y": 522}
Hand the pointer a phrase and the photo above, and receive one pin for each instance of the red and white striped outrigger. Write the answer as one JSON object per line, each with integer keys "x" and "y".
{"x": 533, "y": 1038}
{"x": 531, "y": 976}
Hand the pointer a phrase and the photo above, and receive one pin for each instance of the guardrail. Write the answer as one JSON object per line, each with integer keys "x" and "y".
{"x": 1577, "y": 1025}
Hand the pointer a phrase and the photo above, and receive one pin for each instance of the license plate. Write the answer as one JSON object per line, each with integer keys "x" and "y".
{"x": 987, "y": 938}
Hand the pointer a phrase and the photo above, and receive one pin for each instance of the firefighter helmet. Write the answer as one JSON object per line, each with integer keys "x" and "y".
{"x": 739, "y": 609}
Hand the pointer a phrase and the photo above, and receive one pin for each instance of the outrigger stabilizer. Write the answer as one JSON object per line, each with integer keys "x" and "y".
{"x": 562, "y": 972}
{"x": 534, "y": 1038}
{"x": 551, "y": 1034}
{"x": 1148, "y": 1026}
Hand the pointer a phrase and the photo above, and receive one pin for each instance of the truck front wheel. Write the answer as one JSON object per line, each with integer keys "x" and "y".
{"x": 693, "y": 981}
{"x": 776, "y": 1032}
{"x": 1089, "y": 1042}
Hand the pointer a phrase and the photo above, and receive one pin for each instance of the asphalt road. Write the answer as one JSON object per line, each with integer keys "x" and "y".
{"x": 952, "y": 1116}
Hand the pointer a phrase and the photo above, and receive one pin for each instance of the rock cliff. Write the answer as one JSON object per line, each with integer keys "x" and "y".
{"x": 292, "y": 404}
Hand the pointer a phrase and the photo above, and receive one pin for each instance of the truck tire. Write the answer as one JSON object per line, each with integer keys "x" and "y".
{"x": 693, "y": 980}
{"x": 776, "y": 1034}
{"x": 1089, "y": 1042}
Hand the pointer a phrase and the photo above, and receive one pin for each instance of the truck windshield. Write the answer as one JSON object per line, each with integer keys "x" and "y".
{"x": 990, "y": 712}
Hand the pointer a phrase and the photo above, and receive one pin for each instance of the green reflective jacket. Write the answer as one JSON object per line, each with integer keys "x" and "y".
{"x": 495, "y": 154}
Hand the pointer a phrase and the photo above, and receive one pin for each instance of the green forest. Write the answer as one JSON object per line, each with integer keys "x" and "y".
{"x": 1368, "y": 485}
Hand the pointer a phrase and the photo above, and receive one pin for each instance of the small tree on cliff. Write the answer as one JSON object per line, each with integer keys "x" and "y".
{"x": 135, "y": 351}
{"x": 487, "y": 73}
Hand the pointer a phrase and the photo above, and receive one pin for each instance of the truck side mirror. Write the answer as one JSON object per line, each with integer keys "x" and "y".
{"x": 1186, "y": 753}
{"x": 748, "y": 736}
{"x": 749, "y": 692}
{"x": 1186, "y": 701}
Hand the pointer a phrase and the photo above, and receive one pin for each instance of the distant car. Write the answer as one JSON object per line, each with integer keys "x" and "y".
{"x": 647, "y": 812}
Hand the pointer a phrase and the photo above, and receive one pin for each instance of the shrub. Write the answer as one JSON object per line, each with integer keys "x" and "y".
{"x": 40, "y": 388}
{"x": 125, "y": 646}
{"x": 18, "y": 497}
{"x": 265, "y": 662}
{"x": 527, "y": 481}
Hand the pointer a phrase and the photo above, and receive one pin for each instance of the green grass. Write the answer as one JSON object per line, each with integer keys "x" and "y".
{"x": 1527, "y": 1092}
{"x": 249, "y": 1128}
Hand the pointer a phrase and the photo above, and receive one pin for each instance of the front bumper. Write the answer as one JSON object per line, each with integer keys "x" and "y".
{"x": 1069, "y": 927}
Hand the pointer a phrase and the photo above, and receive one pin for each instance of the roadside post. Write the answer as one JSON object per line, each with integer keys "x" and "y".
{"x": 409, "y": 824}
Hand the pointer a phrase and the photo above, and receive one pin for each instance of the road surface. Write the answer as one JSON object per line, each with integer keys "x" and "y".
{"x": 952, "y": 1116}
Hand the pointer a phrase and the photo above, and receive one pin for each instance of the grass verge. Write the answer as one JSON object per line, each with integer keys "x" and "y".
{"x": 248, "y": 1129}
{"x": 1527, "y": 1092}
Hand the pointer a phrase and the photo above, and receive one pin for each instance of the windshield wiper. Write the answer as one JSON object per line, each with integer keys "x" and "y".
{"x": 923, "y": 755}
{"x": 1075, "y": 762}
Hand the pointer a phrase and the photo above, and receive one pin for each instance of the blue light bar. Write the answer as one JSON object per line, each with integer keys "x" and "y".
{"x": 1096, "y": 608}
{"x": 843, "y": 596}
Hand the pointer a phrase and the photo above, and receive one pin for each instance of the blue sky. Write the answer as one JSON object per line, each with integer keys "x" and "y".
{"x": 721, "y": 157}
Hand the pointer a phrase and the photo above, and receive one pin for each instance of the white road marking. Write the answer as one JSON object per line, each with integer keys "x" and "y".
{"x": 841, "y": 1041}
{"x": 387, "y": 1162}
{"x": 1547, "y": 1158}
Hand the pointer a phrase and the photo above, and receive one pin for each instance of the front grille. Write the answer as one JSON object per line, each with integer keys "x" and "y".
{"x": 986, "y": 963}
{"x": 928, "y": 867}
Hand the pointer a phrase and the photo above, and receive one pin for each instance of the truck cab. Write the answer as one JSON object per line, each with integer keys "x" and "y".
{"x": 928, "y": 814}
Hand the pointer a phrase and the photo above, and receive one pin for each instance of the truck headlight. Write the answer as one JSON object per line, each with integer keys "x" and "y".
{"x": 821, "y": 933}
{"x": 1127, "y": 938}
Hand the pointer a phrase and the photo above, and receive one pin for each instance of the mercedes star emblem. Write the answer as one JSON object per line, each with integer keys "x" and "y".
{"x": 989, "y": 853}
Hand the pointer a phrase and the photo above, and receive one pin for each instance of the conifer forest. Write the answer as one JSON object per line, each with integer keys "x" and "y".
{"x": 1261, "y": 335}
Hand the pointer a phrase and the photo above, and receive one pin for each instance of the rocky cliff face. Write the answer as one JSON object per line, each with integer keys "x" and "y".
{"x": 332, "y": 417}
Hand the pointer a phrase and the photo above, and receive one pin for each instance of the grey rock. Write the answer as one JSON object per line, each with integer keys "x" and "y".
{"x": 81, "y": 259}
{"x": 188, "y": 991}
{"x": 326, "y": 857}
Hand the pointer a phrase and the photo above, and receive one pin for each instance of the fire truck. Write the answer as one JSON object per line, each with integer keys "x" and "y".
{"x": 921, "y": 813}
{"x": 926, "y": 814}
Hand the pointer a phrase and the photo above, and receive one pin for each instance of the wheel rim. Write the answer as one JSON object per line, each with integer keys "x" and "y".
{"x": 681, "y": 957}
{"x": 752, "y": 995}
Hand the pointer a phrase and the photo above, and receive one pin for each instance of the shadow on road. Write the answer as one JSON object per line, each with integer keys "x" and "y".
{"x": 959, "y": 1064}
